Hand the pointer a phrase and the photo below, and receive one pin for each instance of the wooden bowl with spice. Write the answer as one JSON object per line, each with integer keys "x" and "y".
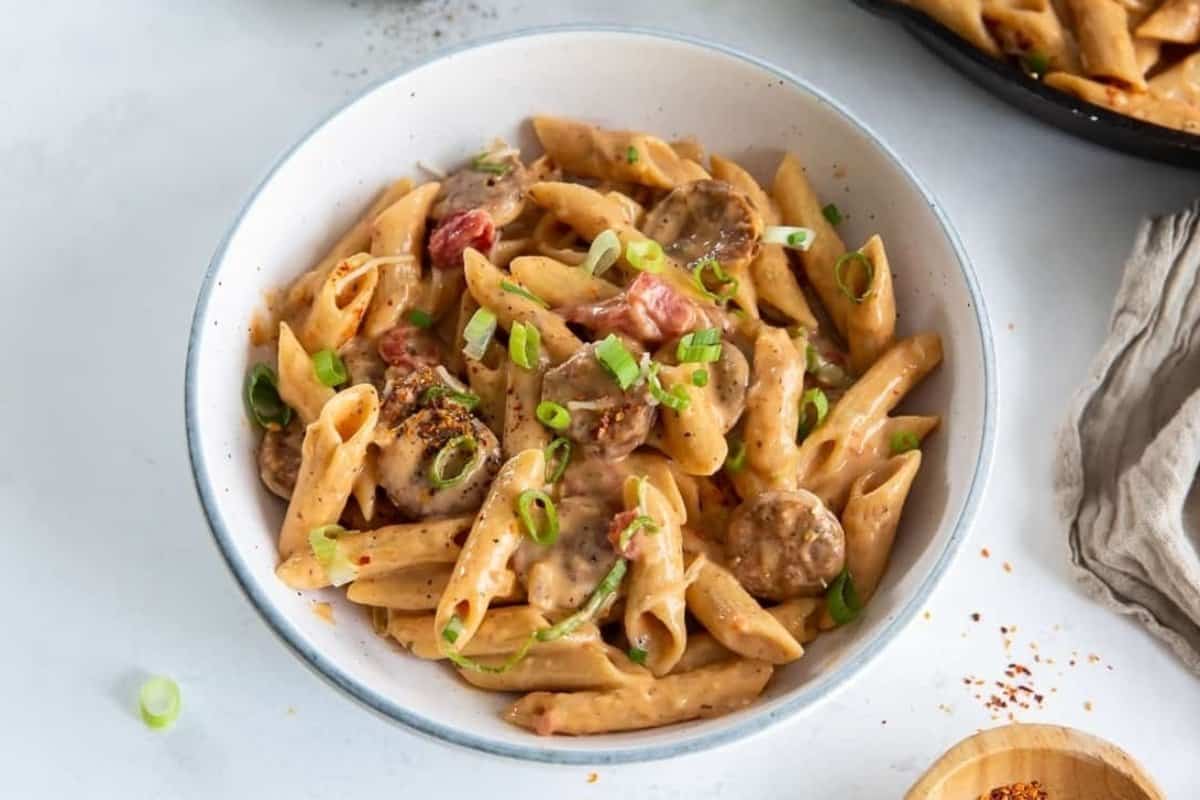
{"x": 1035, "y": 762}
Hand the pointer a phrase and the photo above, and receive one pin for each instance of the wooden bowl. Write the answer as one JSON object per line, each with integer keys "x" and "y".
{"x": 1070, "y": 765}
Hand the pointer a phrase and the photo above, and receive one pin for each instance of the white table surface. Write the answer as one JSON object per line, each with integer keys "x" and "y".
{"x": 133, "y": 132}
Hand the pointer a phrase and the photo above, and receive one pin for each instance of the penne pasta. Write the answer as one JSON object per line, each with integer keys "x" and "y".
{"x": 614, "y": 155}
{"x": 399, "y": 232}
{"x": 416, "y": 588}
{"x": 522, "y": 431}
{"x": 1176, "y": 21}
{"x": 299, "y": 386}
{"x": 871, "y": 517}
{"x": 871, "y": 323}
{"x": 561, "y": 667}
{"x": 503, "y": 630}
{"x": 694, "y": 436}
{"x": 964, "y": 17}
{"x": 1141, "y": 105}
{"x": 773, "y": 409}
{"x": 559, "y": 284}
{"x": 655, "y": 604}
{"x": 340, "y": 303}
{"x": 1105, "y": 44}
{"x": 799, "y": 617}
{"x": 736, "y": 620}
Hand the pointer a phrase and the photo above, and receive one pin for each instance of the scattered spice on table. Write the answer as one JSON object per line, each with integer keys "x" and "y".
{"x": 985, "y": 553}
{"x": 1007, "y": 567}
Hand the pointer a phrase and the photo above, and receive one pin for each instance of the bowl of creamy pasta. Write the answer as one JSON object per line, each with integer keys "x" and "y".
{"x": 606, "y": 410}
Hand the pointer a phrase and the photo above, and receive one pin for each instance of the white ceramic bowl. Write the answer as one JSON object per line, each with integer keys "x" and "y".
{"x": 441, "y": 112}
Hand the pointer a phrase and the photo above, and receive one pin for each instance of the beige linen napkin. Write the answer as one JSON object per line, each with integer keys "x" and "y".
{"x": 1126, "y": 467}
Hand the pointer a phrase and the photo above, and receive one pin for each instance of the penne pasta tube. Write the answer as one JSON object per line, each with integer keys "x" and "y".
{"x": 558, "y": 666}
{"x": 871, "y": 324}
{"x": 735, "y": 619}
{"x": 1023, "y": 27}
{"x": 654, "y": 602}
{"x": 774, "y": 281}
{"x": 331, "y": 457}
{"x": 399, "y": 231}
{"x": 366, "y": 485}
{"x": 1105, "y": 44}
{"x": 441, "y": 291}
{"x": 1179, "y": 82}
{"x": 381, "y": 551}
{"x": 694, "y": 436}
{"x": 486, "y": 284}
{"x": 1176, "y": 21}
{"x": 493, "y": 539}
{"x": 617, "y": 156}
{"x": 773, "y": 409}
{"x": 522, "y": 431}
{"x": 799, "y": 617}
{"x": 415, "y": 588}
{"x": 299, "y": 386}
{"x": 558, "y": 284}
{"x": 490, "y": 384}
{"x": 1141, "y": 105}
{"x": 707, "y": 692}
{"x": 503, "y": 630}
{"x": 340, "y": 303}
{"x": 871, "y": 517}
{"x": 964, "y": 17}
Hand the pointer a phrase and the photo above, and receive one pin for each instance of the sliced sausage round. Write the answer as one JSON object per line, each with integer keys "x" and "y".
{"x": 404, "y": 463}
{"x": 560, "y": 577}
{"x": 705, "y": 219}
{"x": 501, "y": 196}
{"x": 279, "y": 458}
{"x": 605, "y": 421}
{"x": 785, "y": 544}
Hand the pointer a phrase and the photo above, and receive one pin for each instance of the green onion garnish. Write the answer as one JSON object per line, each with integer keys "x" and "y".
{"x": 329, "y": 368}
{"x": 823, "y": 369}
{"x": 481, "y": 164}
{"x": 453, "y": 629}
{"x": 617, "y": 361}
{"x": 478, "y": 333}
{"x": 638, "y": 523}
{"x": 437, "y": 470}
{"x": 832, "y": 214}
{"x": 468, "y": 399}
{"x": 552, "y": 415}
{"x": 735, "y": 461}
{"x": 637, "y": 655}
{"x": 422, "y": 319}
{"x": 525, "y": 503}
{"x": 903, "y": 441}
{"x": 699, "y": 347}
{"x": 700, "y": 378}
{"x": 604, "y": 252}
{"x": 841, "y": 599}
{"x": 645, "y": 255}
{"x": 819, "y": 403}
{"x": 840, "y": 268}
{"x": 262, "y": 398}
{"x": 1035, "y": 64}
{"x": 469, "y": 663}
{"x": 521, "y": 291}
{"x": 676, "y": 399}
{"x": 602, "y": 592}
{"x": 159, "y": 702}
{"x": 788, "y": 236}
{"x": 555, "y": 469}
{"x": 720, "y": 276}
{"x": 524, "y": 344}
{"x": 631, "y": 154}
{"x": 323, "y": 541}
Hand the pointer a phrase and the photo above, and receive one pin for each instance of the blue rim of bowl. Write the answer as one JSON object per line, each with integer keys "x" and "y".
{"x": 807, "y": 696}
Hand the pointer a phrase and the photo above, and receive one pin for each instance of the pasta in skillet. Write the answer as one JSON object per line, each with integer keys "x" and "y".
{"x": 1134, "y": 57}
{"x": 611, "y": 429}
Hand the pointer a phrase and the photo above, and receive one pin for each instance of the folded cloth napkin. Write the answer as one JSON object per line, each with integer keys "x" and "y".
{"x": 1125, "y": 472}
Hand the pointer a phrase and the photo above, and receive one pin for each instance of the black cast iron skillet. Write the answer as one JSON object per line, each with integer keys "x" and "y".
{"x": 1060, "y": 109}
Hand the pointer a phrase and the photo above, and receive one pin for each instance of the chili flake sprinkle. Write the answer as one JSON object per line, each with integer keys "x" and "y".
{"x": 1017, "y": 791}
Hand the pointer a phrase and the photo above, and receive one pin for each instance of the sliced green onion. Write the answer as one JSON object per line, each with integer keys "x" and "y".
{"x": 903, "y": 441}
{"x": 468, "y": 399}
{"x": 329, "y": 368}
{"x": 521, "y": 291}
{"x": 524, "y": 344}
{"x": 262, "y": 398}
{"x": 840, "y": 268}
{"x": 735, "y": 461}
{"x": 602, "y": 592}
{"x": 720, "y": 276}
{"x": 453, "y": 629}
{"x": 1035, "y": 64}
{"x": 645, "y": 255}
{"x": 699, "y": 347}
{"x": 617, "y": 361}
{"x": 478, "y": 333}
{"x": 832, "y": 214}
{"x": 841, "y": 599}
{"x": 552, "y": 415}
{"x": 526, "y": 500}
{"x": 463, "y": 662}
{"x": 788, "y": 236}
{"x": 677, "y": 399}
{"x": 604, "y": 252}
{"x": 481, "y": 164}
{"x": 555, "y": 470}
{"x": 323, "y": 541}
{"x": 631, "y": 154}
{"x": 815, "y": 399}
{"x": 823, "y": 369}
{"x": 422, "y": 319}
{"x": 638, "y": 523}
{"x": 637, "y": 655}
{"x": 437, "y": 470}
{"x": 159, "y": 702}
{"x": 700, "y": 378}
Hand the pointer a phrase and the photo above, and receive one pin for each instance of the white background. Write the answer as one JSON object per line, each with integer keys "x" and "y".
{"x": 130, "y": 135}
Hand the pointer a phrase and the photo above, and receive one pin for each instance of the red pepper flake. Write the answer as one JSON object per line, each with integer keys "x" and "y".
{"x": 363, "y": 560}
{"x": 1007, "y": 567}
{"x": 985, "y": 553}
{"x": 976, "y": 616}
